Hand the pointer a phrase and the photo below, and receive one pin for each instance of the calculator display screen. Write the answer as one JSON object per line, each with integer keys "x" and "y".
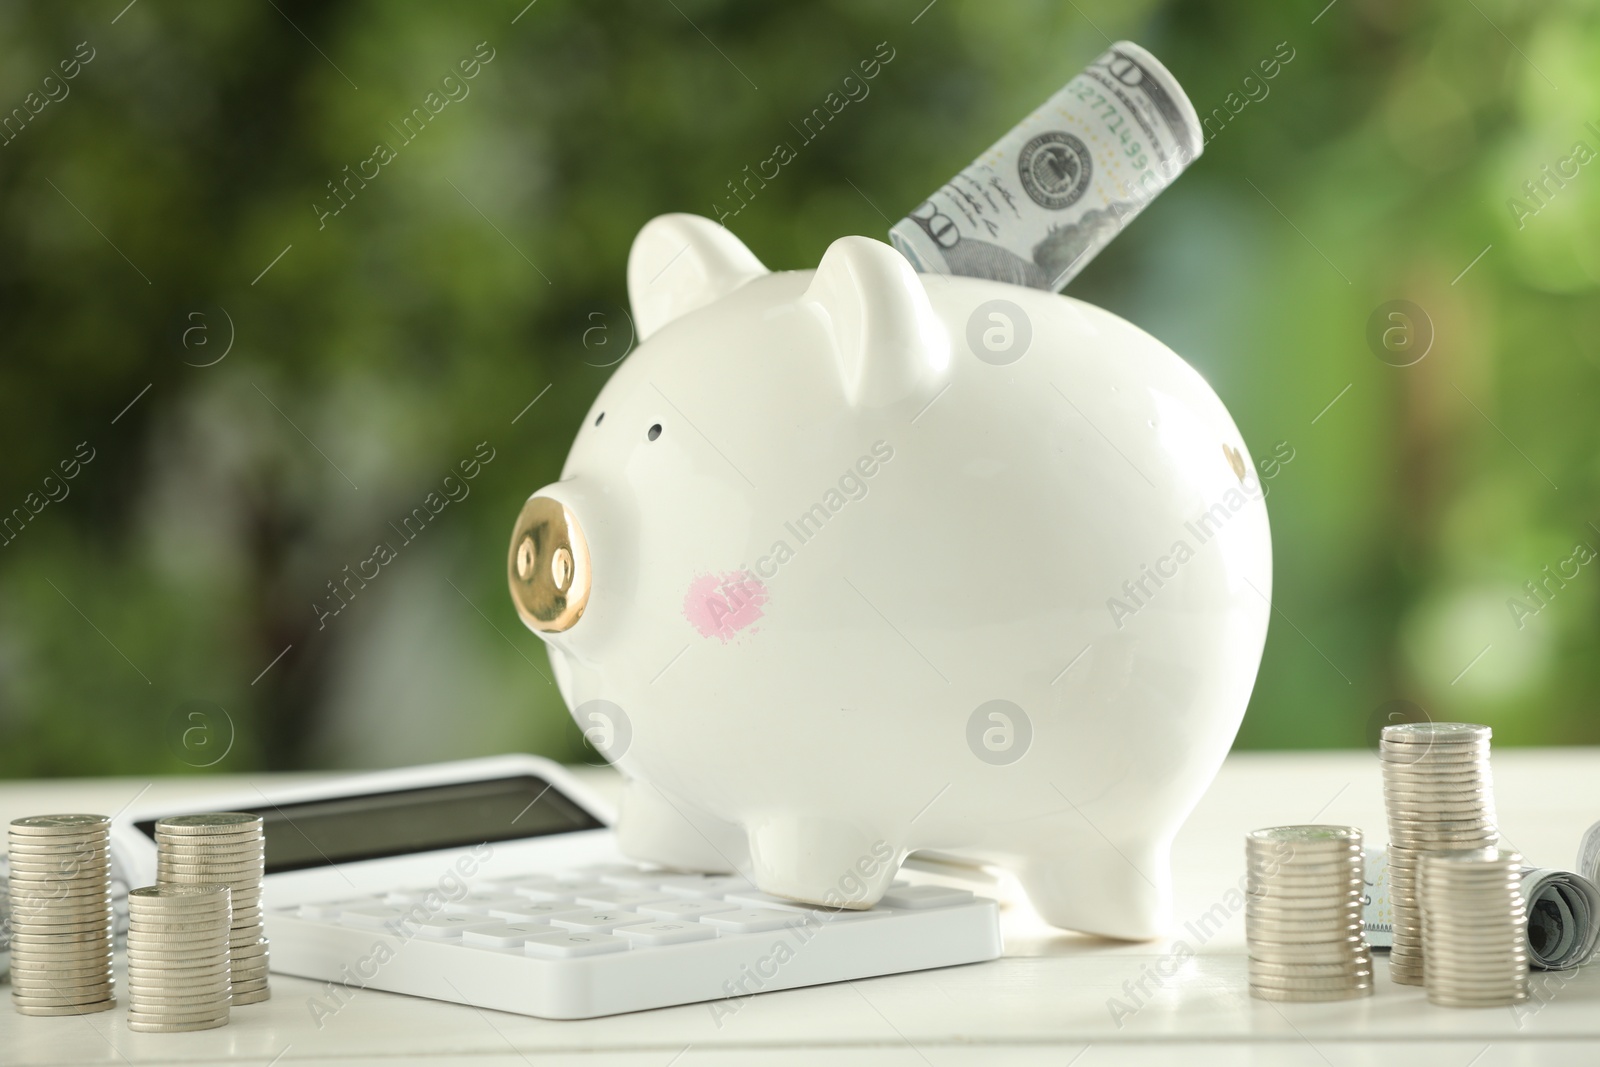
{"x": 320, "y": 833}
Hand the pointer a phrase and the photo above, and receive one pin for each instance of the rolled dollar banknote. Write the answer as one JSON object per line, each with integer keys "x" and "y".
{"x": 1043, "y": 200}
{"x": 1563, "y": 918}
{"x": 1589, "y": 854}
{"x": 1563, "y": 913}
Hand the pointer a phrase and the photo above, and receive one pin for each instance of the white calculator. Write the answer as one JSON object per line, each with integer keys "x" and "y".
{"x": 497, "y": 883}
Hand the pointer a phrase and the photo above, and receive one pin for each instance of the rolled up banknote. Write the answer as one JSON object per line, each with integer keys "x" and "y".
{"x": 1589, "y": 854}
{"x": 1043, "y": 200}
{"x": 1563, "y": 913}
{"x": 1563, "y": 918}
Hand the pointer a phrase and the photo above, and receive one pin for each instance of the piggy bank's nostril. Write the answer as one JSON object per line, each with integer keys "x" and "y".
{"x": 549, "y": 566}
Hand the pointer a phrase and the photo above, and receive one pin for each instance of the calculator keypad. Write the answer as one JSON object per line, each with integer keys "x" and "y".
{"x": 604, "y": 909}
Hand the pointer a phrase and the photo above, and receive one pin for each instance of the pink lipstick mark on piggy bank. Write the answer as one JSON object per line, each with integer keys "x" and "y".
{"x": 720, "y": 605}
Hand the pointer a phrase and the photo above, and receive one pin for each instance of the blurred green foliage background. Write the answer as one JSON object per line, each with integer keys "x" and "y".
{"x": 167, "y": 205}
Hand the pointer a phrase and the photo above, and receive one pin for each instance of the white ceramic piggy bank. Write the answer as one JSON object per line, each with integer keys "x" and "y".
{"x": 855, "y": 562}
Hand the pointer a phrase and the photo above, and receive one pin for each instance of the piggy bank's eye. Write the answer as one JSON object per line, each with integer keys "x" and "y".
{"x": 655, "y": 432}
{"x": 598, "y": 419}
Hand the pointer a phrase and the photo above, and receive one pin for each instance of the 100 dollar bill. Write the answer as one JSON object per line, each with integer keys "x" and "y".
{"x": 1043, "y": 200}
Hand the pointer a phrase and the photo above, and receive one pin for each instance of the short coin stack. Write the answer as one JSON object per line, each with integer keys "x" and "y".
{"x": 1474, "y": 928}
{"x": 1303, "y": 914}
{"x": 1439, "y": 797}
{"x": 223, "y": 848}
{"x": 60, "y": 888}
{"x": 178, "y": 958}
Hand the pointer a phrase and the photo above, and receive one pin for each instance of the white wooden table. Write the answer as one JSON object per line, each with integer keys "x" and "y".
{"x": 1048, "y": 1001}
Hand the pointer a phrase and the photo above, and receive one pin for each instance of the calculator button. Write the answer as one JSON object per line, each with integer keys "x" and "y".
{"x": 566, "y": 946}
{"x": 754, "y": 920}
{"x": 631, "y": 878}
{"x": 756, "y": 899}
{"x": 480, "y": 905}
{"x": 620, "y": 899}
{"x": 543, "y": 891}
{"x": 446, "y": 927}
{"x": 698, "y": 885}
{"x": 328, "y": 910}
{"x": 685, "y": 909}
{"x": 535, "y": 911}
{"x": 666, "y": 933}
{"x": 925, "y": 896}
{"x": 405, "y": 896}
{"x": 596, "y": 920}
{"x": 505, "y": 935}
{"x": 374, "y": 916}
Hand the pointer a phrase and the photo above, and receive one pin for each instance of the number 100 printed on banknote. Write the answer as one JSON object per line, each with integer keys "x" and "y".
{"x": 1043, "y": 200}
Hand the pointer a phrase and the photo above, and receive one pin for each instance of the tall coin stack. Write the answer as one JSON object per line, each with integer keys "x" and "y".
{"x": 1474, "y": 928}
{"x": 178, "y": 958}
{"x": 1303, "y": 914}
{"x": 223, "y": 848}
{"x": 60, "y": 887}
{"x": 1439, "y": 796}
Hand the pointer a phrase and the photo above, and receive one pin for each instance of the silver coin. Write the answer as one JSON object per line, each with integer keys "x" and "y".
{"x": 1324, "y": 919}
{"x": 82, "y": 1009}
{"x": 1433, "y": 750}
{"x": 59, "y": 986}
{"x": 172, "y": 981}
{"x": 22, "y": 860}
{"x": 177, "y": 965}
{"x": 48, "y": 954}
{"x": 1438, "y": 732}
{"x": 208, "y": 842}
{"x": 92, "y": 996}
{"x": 253, "y": 997}
{"x": 1338, "y": 953}
{"x": 50, "y": 925}
{"x": 55, "y": 825}
{"x": 255, "y": 844}
{"x": 175, "y": 962}
{"x": 1304, "y": 996}
{"x": 170, "y": 1006}
{"x": 176, "y": 925}
{"x": 1273, "y": 981}
{"x": 185, "y": 939}
{"x": 174, "y": 1028}
{"x": 53, "y": 977}
{"x": 58, "y": 903}
{"x": 178, "y": 1014}
{"x": 1311, "y": 970}
{"x": 1290, "y": 934}
{"x": 209, "y": 823}
{"x": 77, "y": 937}
{"x": 207, "y": 1017}
{"x": 207, "y": 989}
{"x": 156, "y": 895}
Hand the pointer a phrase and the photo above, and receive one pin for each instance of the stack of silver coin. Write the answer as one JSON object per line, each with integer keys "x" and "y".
{"x": 60, "y": 889}
{"x": 223, "y": 848}
{"x": 1474, "y": 928}
{"x": 1440, "y": 798}
{"x": 178, "y": 958}
{"x": 1303, "y": 914}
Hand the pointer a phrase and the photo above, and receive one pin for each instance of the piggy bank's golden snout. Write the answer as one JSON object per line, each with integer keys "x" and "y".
{"x": 549, "y": 566}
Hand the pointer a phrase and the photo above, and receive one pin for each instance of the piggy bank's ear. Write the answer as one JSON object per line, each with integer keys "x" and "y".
{"x": 682, "y": 262}
{"x": 887, "y": 339}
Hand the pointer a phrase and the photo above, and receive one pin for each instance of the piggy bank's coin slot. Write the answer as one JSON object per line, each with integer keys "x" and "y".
{"x": 598, "y": 419}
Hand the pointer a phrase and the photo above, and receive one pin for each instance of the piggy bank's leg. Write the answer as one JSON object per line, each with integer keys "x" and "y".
{"x": 655, "y": 828}
{"x": 821, "y": 861}
{"x": 1085, "y": 883}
